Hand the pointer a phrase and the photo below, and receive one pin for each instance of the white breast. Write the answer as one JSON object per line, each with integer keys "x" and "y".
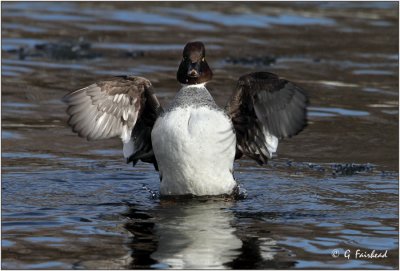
{"x": 195, "y": 149}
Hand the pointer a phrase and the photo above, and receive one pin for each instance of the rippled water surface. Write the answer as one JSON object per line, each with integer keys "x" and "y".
{"x": 69, "y": 203}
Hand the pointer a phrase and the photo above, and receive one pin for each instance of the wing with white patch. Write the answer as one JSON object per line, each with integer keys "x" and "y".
{"x": 122, "y": 106}
{"x": 263, "y": 109}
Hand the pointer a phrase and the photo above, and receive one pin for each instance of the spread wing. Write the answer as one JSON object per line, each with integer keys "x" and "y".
{"x": 263, "y": 109}
{"x": 122, "y": 106}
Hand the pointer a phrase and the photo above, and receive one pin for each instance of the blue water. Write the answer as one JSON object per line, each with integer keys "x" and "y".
{"x": 328, "y": 112}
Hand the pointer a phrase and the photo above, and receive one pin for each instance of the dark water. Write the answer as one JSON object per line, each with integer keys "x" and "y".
{"x": 69, "y": 203}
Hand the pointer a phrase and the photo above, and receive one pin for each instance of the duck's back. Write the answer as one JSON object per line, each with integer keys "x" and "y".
{"x": 194, "y": 145}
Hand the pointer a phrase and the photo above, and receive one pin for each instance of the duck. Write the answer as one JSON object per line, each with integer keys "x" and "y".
{"x": 192, "y": 143}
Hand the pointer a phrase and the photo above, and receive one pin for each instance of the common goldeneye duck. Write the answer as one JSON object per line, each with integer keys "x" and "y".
{"x": 192, "y": 142}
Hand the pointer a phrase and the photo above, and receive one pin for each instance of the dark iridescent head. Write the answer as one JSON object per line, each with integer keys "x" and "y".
{"x": 194, "y": 68}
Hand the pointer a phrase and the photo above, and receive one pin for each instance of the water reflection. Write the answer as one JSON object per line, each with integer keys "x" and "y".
{"x": 188, "y": 235}
{"x": 198, "y": 235}
{"x": 202, "y": 233}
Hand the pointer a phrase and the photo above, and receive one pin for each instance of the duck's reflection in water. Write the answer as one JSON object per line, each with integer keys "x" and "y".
{"x": 197, "y": 235}
{"x": 194, "y": 234}
{"x": 185, "y": 234}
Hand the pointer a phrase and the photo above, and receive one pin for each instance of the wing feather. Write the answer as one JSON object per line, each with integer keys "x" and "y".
{"x": 112, "y": 108}
{"x": 263, "y": 109}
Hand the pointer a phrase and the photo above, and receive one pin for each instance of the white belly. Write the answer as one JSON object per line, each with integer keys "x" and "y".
{"x": 195, "y": 149}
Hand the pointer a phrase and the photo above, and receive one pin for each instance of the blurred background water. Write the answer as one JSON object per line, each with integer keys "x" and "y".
{"x": 69, "y": 203}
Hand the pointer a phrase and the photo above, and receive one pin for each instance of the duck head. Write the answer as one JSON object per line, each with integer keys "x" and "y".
{"x": 194, "y": 68}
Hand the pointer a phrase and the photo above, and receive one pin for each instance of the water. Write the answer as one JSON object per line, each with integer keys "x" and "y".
{"x": 68, "y": 203}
